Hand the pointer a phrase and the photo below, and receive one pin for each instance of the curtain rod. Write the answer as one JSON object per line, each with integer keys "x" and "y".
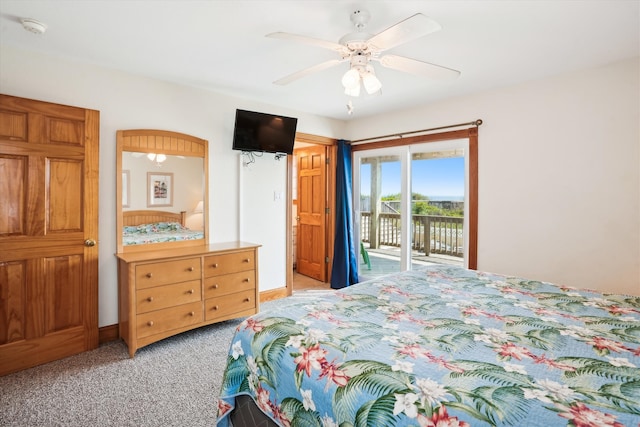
{"x": 475, "y": 123}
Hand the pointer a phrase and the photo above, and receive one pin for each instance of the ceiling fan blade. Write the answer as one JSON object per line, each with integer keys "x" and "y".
{"x": 411, "y": 28}
{"x": 336, "y": 47}
{"x": 302, "y": 73}
{"x": 419, "y": 68}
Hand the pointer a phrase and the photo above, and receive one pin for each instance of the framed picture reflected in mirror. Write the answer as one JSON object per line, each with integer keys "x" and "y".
{"x": 159, "y": 189}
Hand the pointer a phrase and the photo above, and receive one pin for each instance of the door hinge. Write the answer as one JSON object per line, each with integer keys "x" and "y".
{"x": 327, "y": 160}
{"x": 326, "y": 259}
{"x": 327, "y": 211}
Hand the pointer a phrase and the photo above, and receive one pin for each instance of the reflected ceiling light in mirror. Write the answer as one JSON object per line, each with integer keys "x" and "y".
{"x": 157, "y": 158}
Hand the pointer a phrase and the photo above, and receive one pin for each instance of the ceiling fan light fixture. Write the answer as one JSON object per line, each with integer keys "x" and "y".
{"x": 351, "y": 78}
{"x": 360, "y": 47}
{"x": 370, "y": 82}
{"x": 352, "y": 90}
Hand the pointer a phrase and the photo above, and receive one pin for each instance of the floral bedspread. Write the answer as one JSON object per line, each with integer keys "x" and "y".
{"x": 158, "y": 232}
{"x": 443, "y": 346}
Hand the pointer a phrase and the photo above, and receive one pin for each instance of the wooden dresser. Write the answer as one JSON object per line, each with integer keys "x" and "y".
{"x": 165, "y": 292}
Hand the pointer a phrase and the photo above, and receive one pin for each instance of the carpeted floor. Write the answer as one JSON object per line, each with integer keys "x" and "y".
{"x": 174, "y": 382}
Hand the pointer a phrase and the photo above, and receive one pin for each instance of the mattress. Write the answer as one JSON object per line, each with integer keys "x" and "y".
{"x": 439, "y": 346}
{"x": 158, "y": 232}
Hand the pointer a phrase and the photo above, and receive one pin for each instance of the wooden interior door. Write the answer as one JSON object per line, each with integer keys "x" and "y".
{"x": 312, "y": 216}
{"x": 48, "y": 232}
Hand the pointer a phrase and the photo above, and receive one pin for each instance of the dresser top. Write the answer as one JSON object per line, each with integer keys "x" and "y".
{"x": 186, "y": 251}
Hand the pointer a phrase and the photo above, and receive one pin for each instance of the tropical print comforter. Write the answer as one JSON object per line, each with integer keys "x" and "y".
{"x": 158, "y": 232}
{"x": 443, "y": 346}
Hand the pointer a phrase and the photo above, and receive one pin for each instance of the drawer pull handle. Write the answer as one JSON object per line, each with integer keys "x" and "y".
{"x": 247, "y": 299}
{"x": 150, "y": 299}
{"x": 191, "y": 291}
{"x": 150, "y": 323}
{"x": 215, "y": 307}
{"x": 247, "y": 260}
{"x": 190, "y": 268}
{"x": 149, "y": 275}
{"x": 192, "y": 314}
{"x": 247, "y": 280}
{"x": 214, "y": 265}
{"x": 215, "y": 287}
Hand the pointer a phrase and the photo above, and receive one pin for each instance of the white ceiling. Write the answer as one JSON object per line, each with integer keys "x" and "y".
{"x": 221, "y": 45}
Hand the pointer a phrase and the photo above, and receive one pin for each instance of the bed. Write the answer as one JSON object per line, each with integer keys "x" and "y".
{"x": 150, "y": 226}
{"x": 440, "y": 346}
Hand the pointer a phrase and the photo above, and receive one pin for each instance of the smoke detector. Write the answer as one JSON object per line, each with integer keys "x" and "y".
{"x": 33, "y": 26}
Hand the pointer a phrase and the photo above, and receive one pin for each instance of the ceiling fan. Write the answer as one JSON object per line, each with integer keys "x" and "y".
{"x": 360, "y": 49}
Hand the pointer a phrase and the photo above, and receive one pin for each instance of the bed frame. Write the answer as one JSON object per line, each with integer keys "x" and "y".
{"x": 247, "y": 414}
{"x": 149, "y": 216}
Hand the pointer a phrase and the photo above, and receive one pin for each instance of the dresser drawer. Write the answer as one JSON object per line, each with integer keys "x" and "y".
{"x": 163, "y": 273}
{"x": 229, "y": 283}
{"x": 228, "y": 263}
{"x": 229, "y": 304}
{"x": 159, "y": 297}
{"x": 159, "y": 321}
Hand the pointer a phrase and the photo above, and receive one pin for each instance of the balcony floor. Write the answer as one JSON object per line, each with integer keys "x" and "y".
{"x": 386, "y": 260}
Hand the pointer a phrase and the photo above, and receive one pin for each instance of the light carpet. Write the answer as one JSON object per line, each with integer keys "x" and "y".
{"x": 174, "y": 382}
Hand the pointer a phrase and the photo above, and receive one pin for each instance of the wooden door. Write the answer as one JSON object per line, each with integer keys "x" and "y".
{"x": 48, "y": 232}
{"x": 311, "y": 239}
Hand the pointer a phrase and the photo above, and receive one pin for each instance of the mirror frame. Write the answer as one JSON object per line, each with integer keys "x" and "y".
{"x": 165, "y": 142}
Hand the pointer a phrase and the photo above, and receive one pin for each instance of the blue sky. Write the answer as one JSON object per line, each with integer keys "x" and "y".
{"x": 434, "y": 177}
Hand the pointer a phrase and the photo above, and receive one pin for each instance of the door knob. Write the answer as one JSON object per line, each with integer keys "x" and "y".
{"x": 89, "y": 242}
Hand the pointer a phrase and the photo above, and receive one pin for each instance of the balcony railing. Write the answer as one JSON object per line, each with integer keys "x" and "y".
{"x": 430, "y": 234}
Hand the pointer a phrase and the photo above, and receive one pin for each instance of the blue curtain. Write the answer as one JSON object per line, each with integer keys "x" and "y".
{"x": 344, "y": 271}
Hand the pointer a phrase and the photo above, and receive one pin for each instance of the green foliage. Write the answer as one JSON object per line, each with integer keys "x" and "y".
{"x": 235, "y": 373}
{"x": 502, "y": 404}
{"x": 420, "y": 206}
{"x": 370, "y": 378}
{"x": 299, "y": 416}
{"x": 624, "y": 396}
{"x": 490, "y": 372}
{"x": 588, "y": 367}
{"x": 377, "y": 412}
{"x": 424, "y": 208}
{"x": 390, "y": 197}
{"x": 633, "y": 301}
{"x": 358, "y": 336}
{"x": 398, "y": 196}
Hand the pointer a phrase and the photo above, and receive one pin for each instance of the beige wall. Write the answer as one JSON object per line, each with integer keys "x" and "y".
{"x": 127, "y": 101}
{"x": 559, "y": 183}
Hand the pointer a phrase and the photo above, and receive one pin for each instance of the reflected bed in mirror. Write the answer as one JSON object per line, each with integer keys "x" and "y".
{"x": 162, "y": 190}
{"x": 144, "y": 227}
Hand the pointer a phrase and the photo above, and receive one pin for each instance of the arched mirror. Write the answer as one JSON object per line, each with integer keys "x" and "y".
{"x": 162, "y": 187}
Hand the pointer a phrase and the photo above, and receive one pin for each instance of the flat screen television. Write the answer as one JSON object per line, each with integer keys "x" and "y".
{"x": 264, "y": 132}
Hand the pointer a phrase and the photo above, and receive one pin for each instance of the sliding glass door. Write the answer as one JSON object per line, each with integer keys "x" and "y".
{"x": 410, "y": 206}
{"x": 377, "y": 199}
